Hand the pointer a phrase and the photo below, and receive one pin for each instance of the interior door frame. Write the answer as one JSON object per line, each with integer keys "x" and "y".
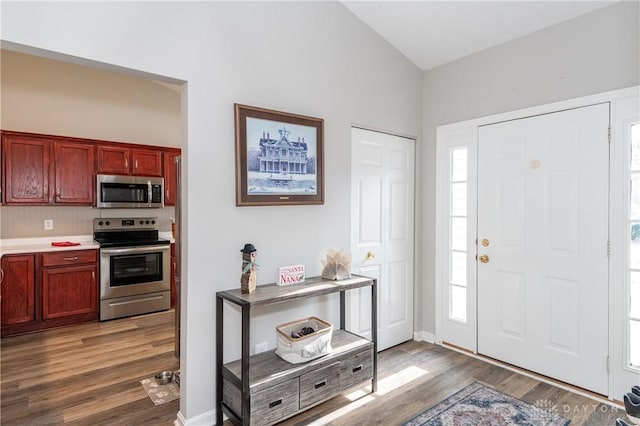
{"x": 465, "y": 134}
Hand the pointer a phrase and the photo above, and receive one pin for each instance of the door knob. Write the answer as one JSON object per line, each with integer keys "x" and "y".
{"x": 370, "y": 256}
{"x": 484, "y": 258}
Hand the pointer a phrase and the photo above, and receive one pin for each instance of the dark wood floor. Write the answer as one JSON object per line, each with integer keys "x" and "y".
{"x": 90, "y": 375}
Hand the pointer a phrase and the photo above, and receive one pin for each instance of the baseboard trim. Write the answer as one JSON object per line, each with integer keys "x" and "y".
{"x": 205, "y": 419}
{"x": 424, "y": 336}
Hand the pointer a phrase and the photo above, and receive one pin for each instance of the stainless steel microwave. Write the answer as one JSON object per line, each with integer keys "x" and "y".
{"x": 129, "y": 192}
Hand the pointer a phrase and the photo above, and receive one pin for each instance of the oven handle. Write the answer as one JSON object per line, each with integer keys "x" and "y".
{"x": 145, "y": 249}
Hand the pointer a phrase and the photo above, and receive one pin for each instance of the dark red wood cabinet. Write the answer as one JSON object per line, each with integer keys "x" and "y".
{"x": 18, "y": 289}
{"x": 170, "y": 181}
{"x": 51, "y": 289}
{"x": 74, "y": 173}
{"x": 69, "y": 284}
{"x": 25, "y": 169}
{"x": 127, "y": 160}
{"x": 58, "y": 170}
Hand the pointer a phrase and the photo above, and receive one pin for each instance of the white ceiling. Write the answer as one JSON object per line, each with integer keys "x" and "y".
{"x": 432, "y": 33}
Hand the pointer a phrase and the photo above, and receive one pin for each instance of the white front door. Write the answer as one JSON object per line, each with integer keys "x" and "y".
{"x": 543, "y": 227}
{"x": 382, "y": 228}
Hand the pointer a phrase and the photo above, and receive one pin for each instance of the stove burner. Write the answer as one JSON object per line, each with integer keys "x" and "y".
{"x": 127, "y": 232}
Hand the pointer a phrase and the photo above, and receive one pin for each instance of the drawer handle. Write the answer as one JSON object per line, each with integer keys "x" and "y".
{"x": 320, "y": 384}
{"x": 356, "y": 369}
{"x": 69, "y": 259}
{"x": 275, "y": 403}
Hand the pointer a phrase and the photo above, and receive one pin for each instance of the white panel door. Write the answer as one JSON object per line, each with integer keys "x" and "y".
{"x": 382, "y": 216}
{"x": 543, "y": 218}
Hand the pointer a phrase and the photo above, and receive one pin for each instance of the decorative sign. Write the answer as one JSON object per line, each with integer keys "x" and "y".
{"x": 290, "y": 274}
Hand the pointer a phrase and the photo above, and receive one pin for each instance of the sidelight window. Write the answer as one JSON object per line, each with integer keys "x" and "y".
{"x": 634, "y": 249}
{"x": 458, "y": 234}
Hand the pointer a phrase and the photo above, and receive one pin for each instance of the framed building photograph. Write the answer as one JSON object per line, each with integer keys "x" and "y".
{"x": 278, "y": 157}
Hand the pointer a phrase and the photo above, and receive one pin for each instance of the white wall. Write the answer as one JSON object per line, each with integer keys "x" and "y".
{"x": 309, "y": 58}
{"x": 593, "y": 53}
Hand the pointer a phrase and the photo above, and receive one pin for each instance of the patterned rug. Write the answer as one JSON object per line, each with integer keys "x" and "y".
{"x": 161, "y": 394}
{"x": 479, "y": 405}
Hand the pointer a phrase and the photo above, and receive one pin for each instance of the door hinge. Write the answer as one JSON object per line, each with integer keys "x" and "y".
{"x": 608, "y": 364}
{"x": 609, "y": 135}
{"x": 608, "y": 249}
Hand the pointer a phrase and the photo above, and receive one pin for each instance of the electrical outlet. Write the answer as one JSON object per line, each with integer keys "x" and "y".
{"x": 261, "y": 347}
{"x": 48, "y": 224}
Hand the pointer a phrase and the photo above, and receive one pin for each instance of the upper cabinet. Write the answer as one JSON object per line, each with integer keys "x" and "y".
{"x": 126, "y": 160}
{"x": 170, "y": 178}
{"x": 57, "y": 170}
{"x": 25, "y": 169}
{"x": 74, "y": 173}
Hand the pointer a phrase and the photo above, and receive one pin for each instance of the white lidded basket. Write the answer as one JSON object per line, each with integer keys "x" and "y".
{"x": 307, "y": 347}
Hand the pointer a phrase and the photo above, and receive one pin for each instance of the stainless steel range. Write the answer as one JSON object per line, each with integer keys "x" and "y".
{"x": 134, "y": 267}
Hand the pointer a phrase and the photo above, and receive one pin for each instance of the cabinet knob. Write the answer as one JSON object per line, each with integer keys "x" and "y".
{"x": 370, "y": 256}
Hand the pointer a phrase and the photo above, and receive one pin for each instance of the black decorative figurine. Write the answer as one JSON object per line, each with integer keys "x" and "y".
{"x": 248, "y": 279}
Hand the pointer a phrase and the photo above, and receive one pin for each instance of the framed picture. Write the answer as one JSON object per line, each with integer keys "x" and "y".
{"x": 278, "y": 158}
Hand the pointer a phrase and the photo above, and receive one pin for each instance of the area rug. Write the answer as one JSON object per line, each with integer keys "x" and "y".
{"x": 479, "y": 405}
{"x": 161, "y": 394}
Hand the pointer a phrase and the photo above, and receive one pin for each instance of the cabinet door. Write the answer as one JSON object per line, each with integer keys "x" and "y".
{"x": 18, "y": 289}
{"x": 170, "y": 184}
{"x": 147, "y": 162}
{"x": 113, "y": 160}
{"x": 26, "y": 169}
{"x": 74, "y": 173}
{"x": 69, "y": 291}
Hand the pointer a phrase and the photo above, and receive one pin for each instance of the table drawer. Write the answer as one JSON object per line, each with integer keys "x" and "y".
{"x": 319, "y": 385}
{"x": 275, "y": 403}
{"x": 69, "y": 257}
{"x": 356, "y": 369}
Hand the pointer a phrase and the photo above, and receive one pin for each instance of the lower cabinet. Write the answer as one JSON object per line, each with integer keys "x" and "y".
{"x": 51, "y": 289}
{"x": 18, "y": 289}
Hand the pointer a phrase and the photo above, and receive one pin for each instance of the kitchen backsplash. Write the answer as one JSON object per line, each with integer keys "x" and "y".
{"x": 28, "y": 221}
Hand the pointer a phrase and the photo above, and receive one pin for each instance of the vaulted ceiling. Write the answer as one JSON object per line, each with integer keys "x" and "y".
{"x": 432, "y": 33}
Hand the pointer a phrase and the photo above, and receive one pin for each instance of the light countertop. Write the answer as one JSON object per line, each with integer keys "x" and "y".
{"x": 34, "y": 245}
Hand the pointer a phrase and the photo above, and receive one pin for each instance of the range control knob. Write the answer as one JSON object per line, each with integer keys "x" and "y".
{"x": 142, "y": 222}
{"x": 100, "y": 223}
{"x": 107, "y": 223}
{"x": 153, "y": 222}
{"x": 147, "y": 222}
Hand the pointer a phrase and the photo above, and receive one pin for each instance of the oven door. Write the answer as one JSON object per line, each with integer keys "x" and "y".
{"x": 131, "y": 271}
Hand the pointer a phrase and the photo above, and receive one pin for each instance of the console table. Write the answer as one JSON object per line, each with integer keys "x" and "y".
{"x": 263, "y": 389}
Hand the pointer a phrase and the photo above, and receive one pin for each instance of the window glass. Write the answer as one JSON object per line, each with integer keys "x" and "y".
{"x": 634, "y": 246}
{"x": 458, "y": 308}
{"x": 635, "y": 196}
{"x": 459, "y": 233}
{"x": 459, "y": 199}
{"x": 634, "y": 293}
{"x": 634, "y": 353}
{"x": 635, "y": 147}
{"x": 458, "y": 268}
{"x": 459, "y": 164}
